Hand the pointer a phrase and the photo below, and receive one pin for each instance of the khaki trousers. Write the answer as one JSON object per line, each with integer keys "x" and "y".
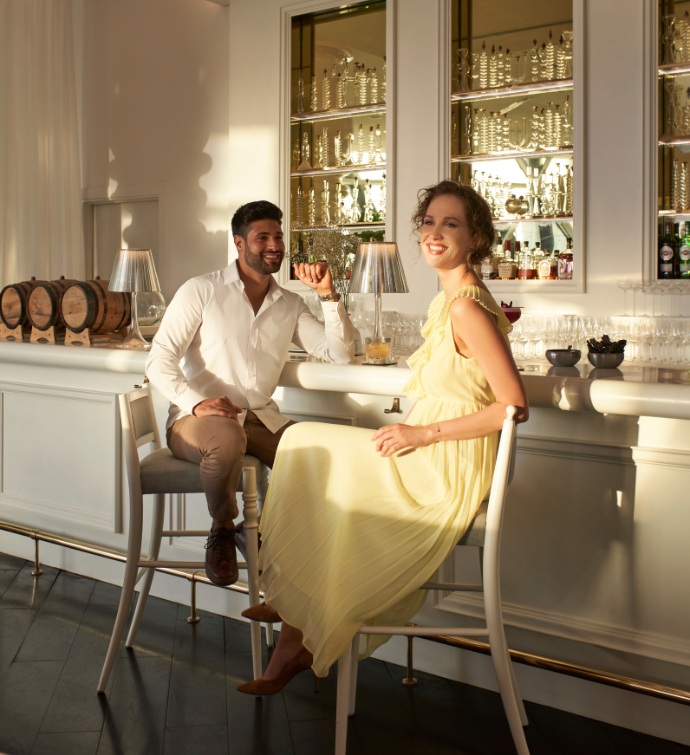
{"x": 218, "y": 444}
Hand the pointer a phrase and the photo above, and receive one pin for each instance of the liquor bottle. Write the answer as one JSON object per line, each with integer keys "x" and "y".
{"x": 537, "y": 257}
{"x": 553, "y": 275}
{"x": 487, "y": 268}
{"x": 506, "y": 267}
{"x": 565, "y": 262}
{"x": 684, "y": 254}
{"x": 668, "y": 253}
{"x": 526, "y": 270}
{"x": 546, "y": 266}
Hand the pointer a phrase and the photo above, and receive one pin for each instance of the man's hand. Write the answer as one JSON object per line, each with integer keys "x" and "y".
{"x": 316, "y": 275}
{"x": 219, "y": 407}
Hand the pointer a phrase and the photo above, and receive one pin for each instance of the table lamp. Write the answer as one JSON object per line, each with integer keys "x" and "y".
{"x": 378, "y": 270}
{"x": 134, "y": 272}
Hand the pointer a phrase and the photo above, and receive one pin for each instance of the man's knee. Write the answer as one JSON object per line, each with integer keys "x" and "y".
{"x": 224, "y": 438}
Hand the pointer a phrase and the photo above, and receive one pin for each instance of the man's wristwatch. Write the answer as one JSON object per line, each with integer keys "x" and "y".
{"x": 329, "y": 297}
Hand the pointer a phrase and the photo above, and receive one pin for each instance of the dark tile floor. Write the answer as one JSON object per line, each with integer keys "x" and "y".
{"x": 175, "y": 693}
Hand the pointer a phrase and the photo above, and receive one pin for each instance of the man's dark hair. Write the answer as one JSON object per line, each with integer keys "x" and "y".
{"x": 251, "y": 212}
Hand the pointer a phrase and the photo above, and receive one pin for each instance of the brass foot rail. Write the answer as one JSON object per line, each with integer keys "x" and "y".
{"x": 38, "y": 536}
{"x": 607, "y": 678}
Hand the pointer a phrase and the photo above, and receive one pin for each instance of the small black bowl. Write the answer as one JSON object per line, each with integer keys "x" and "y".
{"x": 605, "y": 361}
{"x": 563, "y": 357}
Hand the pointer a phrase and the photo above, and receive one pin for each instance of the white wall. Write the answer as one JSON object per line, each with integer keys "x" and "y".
{"x": 155, "y": 122}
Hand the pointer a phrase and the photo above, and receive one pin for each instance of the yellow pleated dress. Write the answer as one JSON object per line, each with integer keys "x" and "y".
{"x": 348, "y": 536}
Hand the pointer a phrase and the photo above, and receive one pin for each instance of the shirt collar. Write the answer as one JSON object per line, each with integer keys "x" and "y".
{"x": 231, "y": 274}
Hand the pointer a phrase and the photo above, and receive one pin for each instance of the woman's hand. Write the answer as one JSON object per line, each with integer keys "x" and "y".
{"x": 393, "y": 438}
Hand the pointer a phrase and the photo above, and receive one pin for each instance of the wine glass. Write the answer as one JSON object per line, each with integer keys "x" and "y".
{"x": 464, "y": 69}
{"x": 518, "y": 69}
{"x": 625, "y": 286}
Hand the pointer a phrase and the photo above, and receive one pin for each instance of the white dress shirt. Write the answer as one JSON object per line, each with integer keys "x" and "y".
{"x": 211, "y": 344}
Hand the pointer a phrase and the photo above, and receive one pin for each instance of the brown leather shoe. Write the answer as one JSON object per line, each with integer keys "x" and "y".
{"x": 262, "y": 612}
{"x": 221, "y": 557}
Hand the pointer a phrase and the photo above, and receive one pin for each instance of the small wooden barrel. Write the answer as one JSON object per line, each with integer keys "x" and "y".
{"x": 14, "y": 303}
{"x": 89, "y": 304}
{"x": 44, "y": 303}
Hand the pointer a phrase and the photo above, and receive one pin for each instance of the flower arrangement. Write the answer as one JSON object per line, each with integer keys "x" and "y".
{"x": 336, "y": 247}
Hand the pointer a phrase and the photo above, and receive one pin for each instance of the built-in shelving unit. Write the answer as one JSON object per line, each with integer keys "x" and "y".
{"x": 338, "y": 129}
{"x": 672, "y": 260}
{"x": 513, "y": 131}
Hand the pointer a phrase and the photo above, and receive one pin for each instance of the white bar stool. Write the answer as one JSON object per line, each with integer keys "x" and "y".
{"x": 160, "y": 473}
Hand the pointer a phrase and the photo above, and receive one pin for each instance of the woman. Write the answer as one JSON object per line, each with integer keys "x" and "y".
{"x": 349, "y": 534}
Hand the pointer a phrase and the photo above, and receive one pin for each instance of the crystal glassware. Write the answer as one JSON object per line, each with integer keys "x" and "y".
{"x": 518, "y": 69}
{"x": 668, "y": 39}
{"x": 483, "y": 67}
{"x": 326, "y": 91}
{"x": 373, "y": 80}
{"x": 306, "y": 153}
{"x": 464, "y": 69}
{"x": 314, "y": 96}
{"x": 534, "y": 61}
{"x": 548, "y": 61}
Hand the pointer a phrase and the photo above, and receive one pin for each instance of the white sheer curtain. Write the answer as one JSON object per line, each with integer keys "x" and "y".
{"x": 40, "y": 187}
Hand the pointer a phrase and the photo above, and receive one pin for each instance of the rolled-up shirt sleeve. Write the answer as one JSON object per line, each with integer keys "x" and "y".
{"x": 180, "y": 325}
{"x": 333, "y": 340}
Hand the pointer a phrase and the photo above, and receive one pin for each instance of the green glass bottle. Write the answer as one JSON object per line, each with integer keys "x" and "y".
{"x": 668, "y": 252}
{"x": 684, "y": 254}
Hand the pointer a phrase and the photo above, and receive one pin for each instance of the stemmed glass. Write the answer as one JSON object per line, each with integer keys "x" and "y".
{"x": 568, "y": 46}
{"x": 625, "y": 286}
{"x": 668, "y": 38}
{"x": 519, "y": 133}
{"x": 517, "y": 340}
{"x": 519, "y": 67}
{"x": 464, "y": 69}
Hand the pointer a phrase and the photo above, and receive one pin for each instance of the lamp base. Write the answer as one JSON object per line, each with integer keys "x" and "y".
{"x": 380, "y": 362}
{"x": 133, "y": 340}
{"x": 132, "y": 344}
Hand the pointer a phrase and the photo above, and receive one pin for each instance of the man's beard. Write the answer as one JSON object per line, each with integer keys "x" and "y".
{"x": 257, "y": 263}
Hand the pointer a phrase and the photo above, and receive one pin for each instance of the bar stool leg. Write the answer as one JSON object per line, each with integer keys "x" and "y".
{"x": 409, "y": 680}
{"x": 251, "y": 518}
{"x": 146, "y": 574}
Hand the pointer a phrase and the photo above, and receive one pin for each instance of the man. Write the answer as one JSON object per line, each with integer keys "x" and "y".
{"x": 217, "y": 358}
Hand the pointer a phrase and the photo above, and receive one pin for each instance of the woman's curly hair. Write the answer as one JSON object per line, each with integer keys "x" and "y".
{"x": 477, "y": 212}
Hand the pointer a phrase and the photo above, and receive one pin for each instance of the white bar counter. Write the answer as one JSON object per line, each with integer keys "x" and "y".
{"x": 595, "y": 555}
{"x": 629, "y": 390}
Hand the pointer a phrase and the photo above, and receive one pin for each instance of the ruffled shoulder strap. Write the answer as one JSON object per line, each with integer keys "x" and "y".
{"x": 485, "y": 300}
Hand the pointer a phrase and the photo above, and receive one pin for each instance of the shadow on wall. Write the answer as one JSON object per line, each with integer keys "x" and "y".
{"x": 157, "y": 123}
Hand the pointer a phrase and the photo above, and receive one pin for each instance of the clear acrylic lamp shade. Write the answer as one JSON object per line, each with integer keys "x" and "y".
{"x": 134, "y": 271}
{"x": 378, "y": 269}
